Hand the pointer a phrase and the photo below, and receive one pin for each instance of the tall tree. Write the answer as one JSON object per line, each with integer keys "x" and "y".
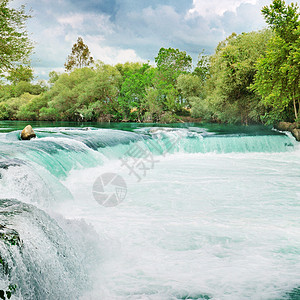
{"x": 79, "y": 57}
{"x": 15, "y": 45}
{"x": 231, "y": 72}
{"x": 278, "y": 76}
{"x": 172, "y": 62}
{"x": 133, "y": 91}
{"x": 202, "y": 67}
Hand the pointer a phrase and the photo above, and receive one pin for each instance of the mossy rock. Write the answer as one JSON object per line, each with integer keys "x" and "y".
{"x": 285, "y": 126}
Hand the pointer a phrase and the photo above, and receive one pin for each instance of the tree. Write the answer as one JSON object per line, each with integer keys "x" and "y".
{"x": 284, "y": 20}
{"x": 65, "y": 93}
{"x": 231, "y": 73}
{"x": 20, "y": 73}
{"x": 172, "y": 62}
{"x": 98, "y": 100}
{"x": 85, "y": 93}
{"x": 79, "y": 57}
{"x": 152, "y": 105}
{"x": 53, "y": 76}
{"x": 133, "y": 91}
{"x": 15, "y": 46}
{"x": 128, "y": 67}
{"x": 278, "y": 76}
{"x": 190, "y": 86}
{"x": 202, "y": 67}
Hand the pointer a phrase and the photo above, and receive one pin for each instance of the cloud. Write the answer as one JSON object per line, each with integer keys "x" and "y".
{"x": 108, "y": 7}
{"x": 73, "y": 20}
{"x": 152, "y": 28}
{"x": 110, "y": 55}
{"x": 216, "y": 7}
{"x": 120, "y": 30}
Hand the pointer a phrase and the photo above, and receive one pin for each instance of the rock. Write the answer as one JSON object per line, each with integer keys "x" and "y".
{"x": 10, "y": 236}
{"x": 5, "y": 164}
{"x": 291, "y": 127}
{"x": 27, "y": 133}
{"x": 296, "y": 133}
{"x": 285, "y": 126}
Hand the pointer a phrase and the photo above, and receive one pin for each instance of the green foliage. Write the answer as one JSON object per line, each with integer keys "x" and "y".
{"x": 19, "y": 101}
{"x": 80, "y": 56}
{"x": 173, "y": 59}
{"x": 231, "y": 72}
{"x": 15, "y": 46}
{"x": 4, "y": 115}
{"x": 170, "y": 64}
{"x": 172, "y": 100}
{"x": 20, "y": 74}
{"x": 283, "y": 19}
{"x": 251, "y": 77}
{"x": 128, "y": 67}
{"x": 53, "y": 76}
{"x": 202, "y": 67}
{"x": 31, "y": 109}
{"x": 101, "y": 93}
{"x": 49, "y": 114}
{"x": 190, "y": 86}
{"x": 27, "y": 87}
{"x": 16, "y": 90}
{"x": 133, "y": 91}
{"x": 64, "y": 95}
{"x": 152, "y": 105}
{"x": 84, "y": 94}
{"x": 277, "y": 79}
{"x": 168, "y": 117}
{"x": 5, "y": 92}
{"x": 9, "y": 109}
{"x": 200, "y": 108}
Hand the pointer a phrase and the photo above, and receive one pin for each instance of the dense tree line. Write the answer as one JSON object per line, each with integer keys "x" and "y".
{"x": 251, "y": 78}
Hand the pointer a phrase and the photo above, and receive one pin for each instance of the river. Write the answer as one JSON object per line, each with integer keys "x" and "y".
{"x": 145, "y": 211}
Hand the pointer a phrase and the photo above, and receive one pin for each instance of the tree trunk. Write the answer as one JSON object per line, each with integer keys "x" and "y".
{"x": 295, "y": 108}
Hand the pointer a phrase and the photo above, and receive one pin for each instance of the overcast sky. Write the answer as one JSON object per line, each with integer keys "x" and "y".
{"x": 134, "y": 30}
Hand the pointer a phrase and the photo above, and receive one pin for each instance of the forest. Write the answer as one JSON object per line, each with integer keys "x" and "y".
{"x": 250, "y": 78}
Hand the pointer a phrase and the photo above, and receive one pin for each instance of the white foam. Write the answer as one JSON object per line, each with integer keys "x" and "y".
{"x": 223, "y": 225}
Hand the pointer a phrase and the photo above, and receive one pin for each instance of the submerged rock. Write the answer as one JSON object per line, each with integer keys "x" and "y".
{"x": 10, "y": 163}
{"x": 10, "y": 236}
{"x": 27, "y": 133}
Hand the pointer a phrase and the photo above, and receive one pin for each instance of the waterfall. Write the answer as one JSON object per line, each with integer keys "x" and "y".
{"x": 37, "y": 256}
{"x": 213, "y": 196}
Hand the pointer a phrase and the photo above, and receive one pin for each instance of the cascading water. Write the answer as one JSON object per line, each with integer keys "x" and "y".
{"x": 204, "y": 214}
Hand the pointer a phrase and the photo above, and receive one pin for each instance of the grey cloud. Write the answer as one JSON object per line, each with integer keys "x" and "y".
{"x": 144, "y": 26}
{"x": 109, "y": 7}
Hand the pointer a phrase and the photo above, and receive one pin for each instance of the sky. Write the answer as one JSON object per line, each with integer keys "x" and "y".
{"x": 117, "y": 31}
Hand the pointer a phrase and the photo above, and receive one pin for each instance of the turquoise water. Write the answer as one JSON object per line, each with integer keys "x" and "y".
{"x": 209, "y": 211}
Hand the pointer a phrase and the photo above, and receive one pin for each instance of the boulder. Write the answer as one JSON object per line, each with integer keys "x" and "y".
{"x": 27, "y": 133}
{"x": 296, "y": 133}
{"x": 285, "y": 126}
